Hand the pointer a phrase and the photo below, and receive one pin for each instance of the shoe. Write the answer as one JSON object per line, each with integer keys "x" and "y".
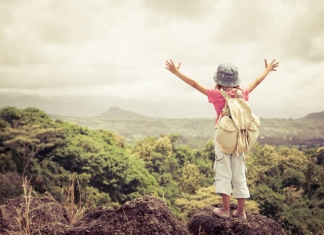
{"x": 220, "y": 213}
{"x": 236, "y": 215}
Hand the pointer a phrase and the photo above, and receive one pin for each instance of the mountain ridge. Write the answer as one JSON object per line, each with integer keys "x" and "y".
{"x": 116, "y": 112}
{"x": 96, "y": 105}
{"x": 315, "y": 116}
{"x": 301, "y": 132}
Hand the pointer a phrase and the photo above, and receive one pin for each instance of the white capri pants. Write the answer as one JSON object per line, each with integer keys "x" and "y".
{"x": 230, "y": 173}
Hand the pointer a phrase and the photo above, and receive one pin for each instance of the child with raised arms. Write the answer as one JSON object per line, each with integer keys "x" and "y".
{"x": 229, "y": 168}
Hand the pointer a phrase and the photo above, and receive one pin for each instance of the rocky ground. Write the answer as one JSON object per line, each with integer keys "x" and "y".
{"x": 145, "y": 215}
{"x": 205, "y": 223}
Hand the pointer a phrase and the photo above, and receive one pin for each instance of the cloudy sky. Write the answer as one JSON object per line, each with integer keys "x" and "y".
{"x": 118, "y": 48}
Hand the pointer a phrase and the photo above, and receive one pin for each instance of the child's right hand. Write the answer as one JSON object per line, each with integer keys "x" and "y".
{"x": 171, "y": 67}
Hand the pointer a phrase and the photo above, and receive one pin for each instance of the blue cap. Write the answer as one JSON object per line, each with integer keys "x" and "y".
{"x": 227, "y": 75}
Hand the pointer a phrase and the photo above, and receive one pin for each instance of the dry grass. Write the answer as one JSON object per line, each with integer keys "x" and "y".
{"x": 74, "y": 209}
{"x": 22, "y": 221}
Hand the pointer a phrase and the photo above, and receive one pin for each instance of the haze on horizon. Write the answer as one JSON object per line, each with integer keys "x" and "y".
{"x": 112, "y": 53}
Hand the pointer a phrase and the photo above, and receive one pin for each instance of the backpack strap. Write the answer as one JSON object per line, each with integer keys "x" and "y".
{"x": 225, "y": 94}
{"x": 226, "y": 111}
{"x": 233, "y": 91}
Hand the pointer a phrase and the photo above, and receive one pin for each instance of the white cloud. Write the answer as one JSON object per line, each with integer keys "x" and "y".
{"x": 119, "y": 47}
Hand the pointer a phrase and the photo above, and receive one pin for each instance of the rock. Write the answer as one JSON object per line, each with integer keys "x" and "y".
{"x": 41, "y": 211}
{"x": 204, "y": 222}
{"x": 144, "y": 215}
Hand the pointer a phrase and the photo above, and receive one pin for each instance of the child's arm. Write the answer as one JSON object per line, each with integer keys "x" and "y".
{"x": 268, "y": 68}
{"x": 175, "y": 70}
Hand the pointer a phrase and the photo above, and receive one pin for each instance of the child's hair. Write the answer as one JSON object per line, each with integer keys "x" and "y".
{"x": 218, "y": 86}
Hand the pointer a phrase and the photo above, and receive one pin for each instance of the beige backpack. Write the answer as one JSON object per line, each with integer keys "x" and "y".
{"x": 237, "y": 126}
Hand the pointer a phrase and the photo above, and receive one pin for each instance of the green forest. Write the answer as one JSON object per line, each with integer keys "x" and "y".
{"x": 285, "y": 184}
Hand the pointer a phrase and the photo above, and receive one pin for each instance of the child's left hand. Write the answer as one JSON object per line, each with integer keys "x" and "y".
{"x": 171, "y": 67}
{"x": 272, "y": 66}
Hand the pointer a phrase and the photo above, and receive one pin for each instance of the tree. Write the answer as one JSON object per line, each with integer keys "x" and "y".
{"x": 209, "y": 151}
{"x": 270, "y": 202}
{"x": 11, "y": 115}
{"x": 27, "y": 142}
{"x": 102, "y": 162}
{"x": 191, "y": 178}
{"x": 157, "y": 154}
{"x": 22, "y": 117}
{"x": 6, "y": 163}
{"x": 10, "y": 186}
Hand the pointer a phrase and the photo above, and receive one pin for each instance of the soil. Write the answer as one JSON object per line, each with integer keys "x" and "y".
{"x": 144, "y": 215}
{"x": 42, "y": 210}
{"x": 204, "y": 222}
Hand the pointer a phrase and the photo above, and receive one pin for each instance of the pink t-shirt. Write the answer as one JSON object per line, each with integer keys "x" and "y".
{"x": 216, "y": 98}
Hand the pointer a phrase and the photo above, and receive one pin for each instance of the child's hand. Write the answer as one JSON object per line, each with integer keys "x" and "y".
{"x": 171, "y": 67}
{"x": 271, "y": 66}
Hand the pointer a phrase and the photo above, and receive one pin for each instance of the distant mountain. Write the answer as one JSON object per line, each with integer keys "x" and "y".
{"x": 116, "y": 113}
{"x": 96, "y": 105}
{"x": 52, "y": 105}
{"x": 315, "y": 116}
{"x": 302, "y": 133}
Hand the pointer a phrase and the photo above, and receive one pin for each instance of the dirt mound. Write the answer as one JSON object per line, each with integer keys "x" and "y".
{"x": 41, "y": 211}
{"x": 204, "y": 222}
{"x": 145, "y": 215}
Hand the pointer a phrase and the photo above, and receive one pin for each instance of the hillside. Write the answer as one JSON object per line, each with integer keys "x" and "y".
{"x": 304, "y": 132}
{"x": 315, "y": 116}
{"x": 117, "y": 113}
{"x": 111, "y": 174}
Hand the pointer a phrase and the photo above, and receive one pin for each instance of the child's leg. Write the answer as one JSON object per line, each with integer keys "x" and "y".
{"x": 240, "y": 206}
{"x": 223, "y": 175}
{"x": 226, "y": 202}
{"x": 240, "y": 189}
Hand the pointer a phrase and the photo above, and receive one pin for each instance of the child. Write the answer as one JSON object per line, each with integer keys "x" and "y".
{"x": 229, "y": 168}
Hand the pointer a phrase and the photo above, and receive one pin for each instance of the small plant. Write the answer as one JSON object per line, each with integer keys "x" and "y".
{"x": 22, "y": 221}
{"x": 163, "y": 195}
{"x": 74, "y": 209}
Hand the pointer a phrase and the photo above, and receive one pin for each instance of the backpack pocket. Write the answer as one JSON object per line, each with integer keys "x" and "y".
{"x": 255, "y": 121}
{"x": 252, "y": 137}
{"x": 230, "y": 140}
{"x": 253, "y": 131}
{"x": 227, "y": 135}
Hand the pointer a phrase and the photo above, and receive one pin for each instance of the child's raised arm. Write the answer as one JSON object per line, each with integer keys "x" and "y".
{"x": 175, "y": 70}
{"x": 268, "y": 68}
